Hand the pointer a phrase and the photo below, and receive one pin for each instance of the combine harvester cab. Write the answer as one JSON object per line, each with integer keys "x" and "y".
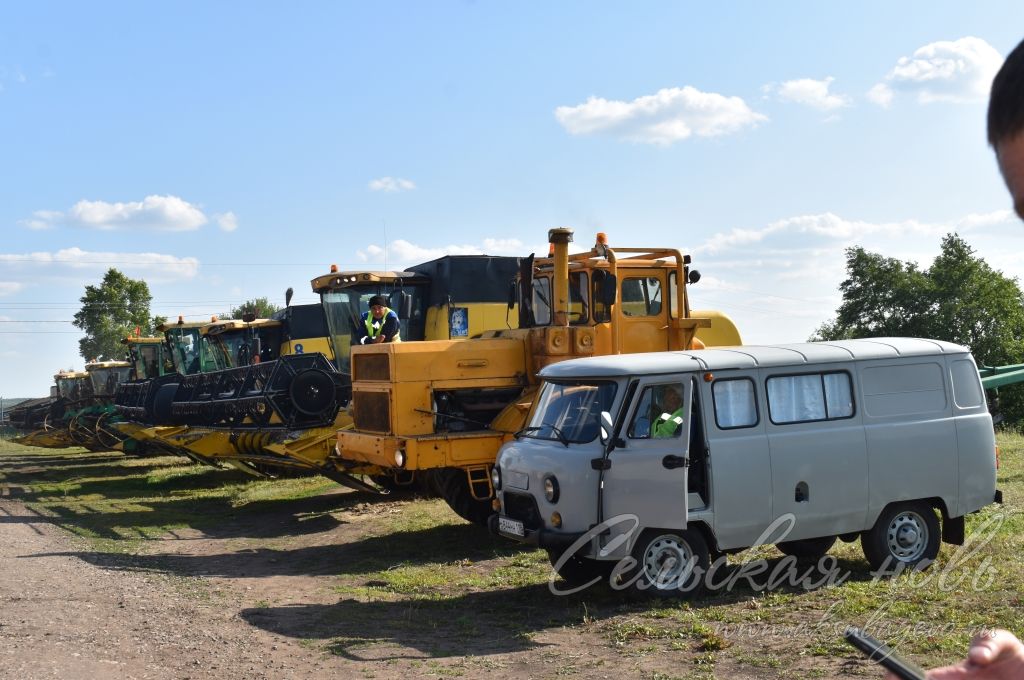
{"x": 447, "y": 407}
{"x": 85, "y": 425}
{"x": 157, "y": 363}
{"x": 73, "y": 391}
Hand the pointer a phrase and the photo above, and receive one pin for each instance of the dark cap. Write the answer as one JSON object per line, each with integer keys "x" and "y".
{"x": 378, "y": 300}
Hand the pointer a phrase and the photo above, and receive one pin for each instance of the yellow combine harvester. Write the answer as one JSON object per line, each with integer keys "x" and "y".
{"x": 450, "y": 297}
{"x": 446, "y": 407}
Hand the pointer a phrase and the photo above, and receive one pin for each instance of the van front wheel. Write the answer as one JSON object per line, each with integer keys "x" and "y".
{"x": 906, "y": 536}
{"x": 670, "y": 563}
{"x": 578, "y": 571}
{"x": 807, "y": 550}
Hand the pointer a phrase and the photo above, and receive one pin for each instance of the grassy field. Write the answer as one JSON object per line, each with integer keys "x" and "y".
{"x": 409, "y": 573}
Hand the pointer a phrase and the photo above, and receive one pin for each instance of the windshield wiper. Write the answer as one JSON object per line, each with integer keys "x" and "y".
{"x": 559, "y": 435}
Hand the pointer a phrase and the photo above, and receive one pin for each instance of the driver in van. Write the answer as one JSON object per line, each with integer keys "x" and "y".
{"x": 670, "y": 421}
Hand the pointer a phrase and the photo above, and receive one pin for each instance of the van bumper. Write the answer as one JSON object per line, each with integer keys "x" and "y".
{"x": 548, "y": 539}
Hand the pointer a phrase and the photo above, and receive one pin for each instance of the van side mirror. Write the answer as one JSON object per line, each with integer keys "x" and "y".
{"x": 607, "y": 426}
{"x": 513, "y": 294}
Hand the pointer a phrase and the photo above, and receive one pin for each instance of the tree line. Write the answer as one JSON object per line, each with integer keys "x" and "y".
{"x": 958, "y": 298}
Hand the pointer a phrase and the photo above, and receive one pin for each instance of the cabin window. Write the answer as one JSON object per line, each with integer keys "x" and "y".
{"x": 542, "y": 301}
{"x": 641, "y": 296}
{"x": 602, "y": 312}
{"x": 659, "y": 414}
{"x": 579, "y": 298}
{"x": 809, "y": 397}
{"x": 735, "y": 405}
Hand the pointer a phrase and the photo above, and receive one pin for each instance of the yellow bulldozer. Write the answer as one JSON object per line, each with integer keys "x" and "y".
{"x": 445, "y": 407}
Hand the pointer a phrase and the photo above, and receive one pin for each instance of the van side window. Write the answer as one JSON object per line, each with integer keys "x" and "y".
{"x": 659, "y": 413}
{"x": 966, "y": 384}
{"x": 735, "y": 405}
{"x": 809, "y": 397}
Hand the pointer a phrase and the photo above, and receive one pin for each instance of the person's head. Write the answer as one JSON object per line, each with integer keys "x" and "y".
{"x": 378, "y": 303}
{"x": 671, "y": 399}
{"x": 1006, "y": 124}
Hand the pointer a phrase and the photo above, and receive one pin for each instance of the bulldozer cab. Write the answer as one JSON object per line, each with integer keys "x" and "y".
{"x": 105, "y": 376}
{"x": 622, "y": 301}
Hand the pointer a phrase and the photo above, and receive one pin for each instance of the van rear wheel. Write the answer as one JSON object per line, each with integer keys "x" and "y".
{"x": 906, "y": 536}
{"x": 670, "y": 563}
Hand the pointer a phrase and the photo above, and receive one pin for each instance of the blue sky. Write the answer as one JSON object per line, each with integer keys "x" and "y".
{"x": 226, "y": 151}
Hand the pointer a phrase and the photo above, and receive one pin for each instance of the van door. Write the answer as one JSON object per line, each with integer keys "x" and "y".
{"x": 648, "y": 475}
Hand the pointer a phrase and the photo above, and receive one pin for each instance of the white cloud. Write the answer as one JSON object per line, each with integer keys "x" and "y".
{"x": 947, "y": 70}
{"x": 880, "y": 94}
{"x": 156, "y": 213}
{"x": 150, "y": 266}
{"x": 391, "y": 184}
{"x": 401, "y": 252}
{"x": 669, "y": 116}
{"x": 10, "y": 287}
{"x": 227, "y": 221}
{"x": 812, "y": 93}
{"x": 831, "y": 227}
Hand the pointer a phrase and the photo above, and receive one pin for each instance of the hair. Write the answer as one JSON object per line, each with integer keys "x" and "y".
{"x": 1006, "y": 103}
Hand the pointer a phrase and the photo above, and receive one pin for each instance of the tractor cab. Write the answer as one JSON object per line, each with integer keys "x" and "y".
{"x": 105, "y": 376}
{"x": 191, "y": 351}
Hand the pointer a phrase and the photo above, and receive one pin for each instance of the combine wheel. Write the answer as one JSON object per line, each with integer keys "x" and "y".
{"x": 104, "y": 435}
{"x": 312, "y": 392}
{"x": 453, "y": 486}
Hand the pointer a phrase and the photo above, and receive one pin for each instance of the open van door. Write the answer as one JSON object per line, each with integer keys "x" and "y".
{"x": 647, "y": 476}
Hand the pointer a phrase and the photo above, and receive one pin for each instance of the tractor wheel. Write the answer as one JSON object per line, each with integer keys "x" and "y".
{"x": 453, "y": 485}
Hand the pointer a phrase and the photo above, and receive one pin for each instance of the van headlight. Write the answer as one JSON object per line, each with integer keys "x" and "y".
{"x": 496, "y": 478}
{"x": 551, "y": 489}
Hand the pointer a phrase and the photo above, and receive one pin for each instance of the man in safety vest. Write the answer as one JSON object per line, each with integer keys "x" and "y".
{"x": 380, "y": 324}
{"x": 669, "y": 423}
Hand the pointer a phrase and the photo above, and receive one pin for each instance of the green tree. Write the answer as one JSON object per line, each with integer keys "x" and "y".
{"x": 959, "y": 298}
{"x": 261, "y": 307}
{"x": 110, "y": 311}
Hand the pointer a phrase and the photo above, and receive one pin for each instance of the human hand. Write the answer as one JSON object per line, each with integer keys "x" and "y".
{"x": 993, "y": 655}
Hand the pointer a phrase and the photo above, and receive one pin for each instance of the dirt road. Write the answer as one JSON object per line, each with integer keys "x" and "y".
{"x": 62, "y": 617}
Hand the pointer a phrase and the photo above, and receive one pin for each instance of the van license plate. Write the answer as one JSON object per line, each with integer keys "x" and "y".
{"x": 511, "y": 526}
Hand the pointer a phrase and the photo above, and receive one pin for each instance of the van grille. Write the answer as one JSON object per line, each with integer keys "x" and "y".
{"x": 371, "y": 367}
{"x": 372, "y": 411}
{"x": 522, "y": 506}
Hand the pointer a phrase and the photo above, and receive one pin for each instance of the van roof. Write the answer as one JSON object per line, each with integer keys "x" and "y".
{"x": 749, "y": 356}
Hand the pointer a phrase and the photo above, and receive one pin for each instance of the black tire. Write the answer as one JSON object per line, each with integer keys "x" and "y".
{"x": 808, "y": 549}
{"x": 669, "y": 563}
{"x": 312, "y": 392}
{"x": 162, "y": 402}
{"x": 906, "y": 536}
{"x": 578, "y": 571}
{"x": 453, "y": 485}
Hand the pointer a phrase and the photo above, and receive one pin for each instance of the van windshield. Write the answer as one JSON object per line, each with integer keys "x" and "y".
{"x": 570, "y": 412}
